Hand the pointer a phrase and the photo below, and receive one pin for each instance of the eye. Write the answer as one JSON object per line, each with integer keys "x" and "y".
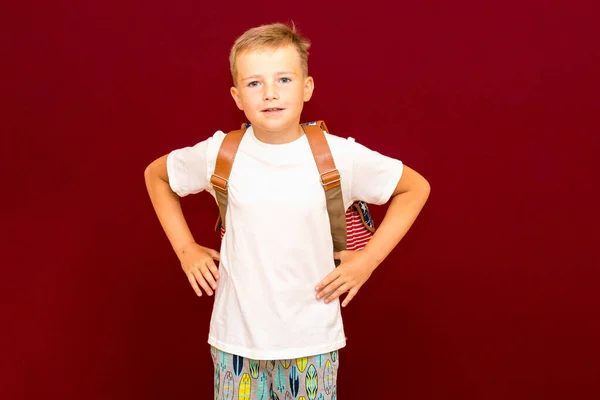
{"x": 285, "y": 80}
{"x": 253, "y": 84}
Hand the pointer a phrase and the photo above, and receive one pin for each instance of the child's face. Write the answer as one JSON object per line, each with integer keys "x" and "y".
{"x": 271, "y": 88}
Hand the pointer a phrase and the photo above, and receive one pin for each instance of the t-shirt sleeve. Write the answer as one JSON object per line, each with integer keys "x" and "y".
{"x": 189, "y": 168}
{"x": 186, "y": 168}
{"x": 374, "y": 176}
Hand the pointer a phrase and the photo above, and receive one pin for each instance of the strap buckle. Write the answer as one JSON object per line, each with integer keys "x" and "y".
{"x": 219, "y": 183}
{"x": 330, "y": 177}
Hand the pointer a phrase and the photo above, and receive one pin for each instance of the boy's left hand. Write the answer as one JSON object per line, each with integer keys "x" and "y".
{"x": 354, "y": 270}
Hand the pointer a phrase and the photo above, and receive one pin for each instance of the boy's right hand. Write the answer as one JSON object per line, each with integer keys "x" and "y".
{"x": 198, "y": 264}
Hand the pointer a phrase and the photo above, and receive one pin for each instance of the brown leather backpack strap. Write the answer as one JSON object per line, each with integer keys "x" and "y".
{"x": 330, "y": 179}
{"x": 220, "y": 177}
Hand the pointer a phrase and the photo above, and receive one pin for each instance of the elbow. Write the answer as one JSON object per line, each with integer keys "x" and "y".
{"x": 422, "y": 189}
{"x": 426, "y": 188}
{"x": 156, "y": 172}
{"x": 148, "y": 172}
{"x": 152, "y": 172}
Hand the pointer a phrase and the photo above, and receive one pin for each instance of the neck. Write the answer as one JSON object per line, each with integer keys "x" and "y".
{"x": 280, "y": 136}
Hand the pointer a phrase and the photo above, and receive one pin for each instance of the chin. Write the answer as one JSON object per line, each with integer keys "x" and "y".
{"x": 275, "y": 124}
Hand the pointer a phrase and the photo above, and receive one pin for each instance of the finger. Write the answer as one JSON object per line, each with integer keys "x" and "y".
{"x": 202, "y": 282}
{"x": 337, "y": 255}
{"x": 214, "y": 254}
{"x": 332, "y": 287}
{"x": 214, "y": 270}
{"x": 349, "y": 297}
{"x": 338, "y": 292}
{"x": 208, "y": 276}
{"x": 194, "y": 284}
{"x": 327, "y": 280}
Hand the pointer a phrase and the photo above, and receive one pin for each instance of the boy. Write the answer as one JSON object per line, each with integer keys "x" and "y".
{"x": 276, "y": 324}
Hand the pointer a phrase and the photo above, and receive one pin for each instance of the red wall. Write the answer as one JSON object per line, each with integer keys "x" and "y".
{"x": 492, "y": 295}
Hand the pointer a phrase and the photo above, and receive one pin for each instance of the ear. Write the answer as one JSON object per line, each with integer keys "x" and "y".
{"x": 236, "y": 97}
{"x": 309, "y": 86}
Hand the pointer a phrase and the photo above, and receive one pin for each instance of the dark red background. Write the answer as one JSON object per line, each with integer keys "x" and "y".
{"x": 492, "y": 295}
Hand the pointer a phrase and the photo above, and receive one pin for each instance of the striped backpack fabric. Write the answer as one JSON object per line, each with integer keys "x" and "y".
{"x": 351, "y": 228}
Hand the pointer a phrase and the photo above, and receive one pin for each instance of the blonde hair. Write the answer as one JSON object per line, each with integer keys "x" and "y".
{"x": 270, "y": 37}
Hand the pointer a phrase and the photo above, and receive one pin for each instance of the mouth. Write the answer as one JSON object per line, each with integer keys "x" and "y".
{"x": 272, "y": 110}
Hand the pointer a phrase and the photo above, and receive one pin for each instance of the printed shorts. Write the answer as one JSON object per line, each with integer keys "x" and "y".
{"x": 307, "y": 378}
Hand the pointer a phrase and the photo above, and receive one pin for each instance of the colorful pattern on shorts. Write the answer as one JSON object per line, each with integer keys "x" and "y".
{"x": 307, "y": 378}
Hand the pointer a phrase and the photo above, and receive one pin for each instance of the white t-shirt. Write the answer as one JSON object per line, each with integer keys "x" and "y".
{"x": 278, "y": 244}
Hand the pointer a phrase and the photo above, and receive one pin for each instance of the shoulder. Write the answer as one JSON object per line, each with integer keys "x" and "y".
{"x": 213, "y": 144}
{"x": 217, "y": 138}
{"x": 210, "y": 146}
{"x": 340, "y": 146}
{"x": 206, "y": 150}
{"x": 339, "y": 141}
{"x": 214, "y": 140}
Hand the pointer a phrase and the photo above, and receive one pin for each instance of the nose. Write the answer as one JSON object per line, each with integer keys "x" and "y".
{"x": 270, "y": 92}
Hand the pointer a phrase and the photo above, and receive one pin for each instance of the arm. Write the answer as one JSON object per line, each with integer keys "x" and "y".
{"x": 409, "y": 197}
{"x": 196, "y": 261}
{"x": 166, "y": 205}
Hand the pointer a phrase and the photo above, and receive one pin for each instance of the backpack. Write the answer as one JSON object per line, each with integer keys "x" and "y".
{"x": 351, "y": 229}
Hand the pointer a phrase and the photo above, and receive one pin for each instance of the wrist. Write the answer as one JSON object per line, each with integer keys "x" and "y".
{"x": 183, "y": 249}
{"x": 373, "y": 257}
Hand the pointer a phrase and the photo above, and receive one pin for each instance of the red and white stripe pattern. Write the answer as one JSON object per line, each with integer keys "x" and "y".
{"x": 358, "y": 235}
